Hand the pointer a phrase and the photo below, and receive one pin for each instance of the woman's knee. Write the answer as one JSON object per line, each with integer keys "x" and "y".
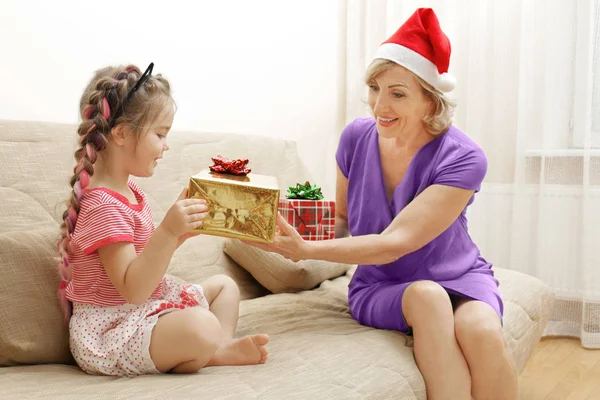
{"x": 425, "y": 299}
{"x": 426, "y": 294}
{"x": 478, "y": 330}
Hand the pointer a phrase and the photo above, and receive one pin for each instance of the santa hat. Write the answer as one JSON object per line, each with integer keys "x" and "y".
{"x": 420, "y": 46}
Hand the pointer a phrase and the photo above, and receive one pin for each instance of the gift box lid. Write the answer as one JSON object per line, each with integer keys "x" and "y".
{"x": 252, "y": 179}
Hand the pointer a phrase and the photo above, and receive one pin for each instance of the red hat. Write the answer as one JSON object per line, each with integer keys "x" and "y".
{"x": 420, "y": 46}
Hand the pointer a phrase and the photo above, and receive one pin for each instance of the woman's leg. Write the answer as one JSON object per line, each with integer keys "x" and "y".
{"x": 479, "y": 334}
{"x": 428, "y": 310}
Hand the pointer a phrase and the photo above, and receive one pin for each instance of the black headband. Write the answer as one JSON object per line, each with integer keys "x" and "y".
{"x": 143, "y": 79}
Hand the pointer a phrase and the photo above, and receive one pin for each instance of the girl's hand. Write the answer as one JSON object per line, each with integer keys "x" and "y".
{"x": 184, "y": 216}
{"x": 185, "y": 237}
{"x": 287, "y": 242}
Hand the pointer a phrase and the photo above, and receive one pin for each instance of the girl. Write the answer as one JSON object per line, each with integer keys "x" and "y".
{"x": 126, "y": 317}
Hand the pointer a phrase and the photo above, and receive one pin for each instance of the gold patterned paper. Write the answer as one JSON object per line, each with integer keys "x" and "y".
{"x": 240, "y": 207}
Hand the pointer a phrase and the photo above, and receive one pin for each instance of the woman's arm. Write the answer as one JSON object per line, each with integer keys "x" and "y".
{"x": 425, "y": 218}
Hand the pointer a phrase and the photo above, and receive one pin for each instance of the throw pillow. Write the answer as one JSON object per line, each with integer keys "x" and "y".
{"x": 32, "y": 327}
{"x": 278, "y": 274}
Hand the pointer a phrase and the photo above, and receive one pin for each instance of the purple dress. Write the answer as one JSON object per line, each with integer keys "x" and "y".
{"x": 452, "y": 259}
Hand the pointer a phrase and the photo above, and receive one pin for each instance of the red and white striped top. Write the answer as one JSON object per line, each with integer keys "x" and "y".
{"x": 105, "y": 217}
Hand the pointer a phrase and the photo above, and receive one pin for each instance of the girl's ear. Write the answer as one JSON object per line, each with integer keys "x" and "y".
{"x": 119, "y": 134}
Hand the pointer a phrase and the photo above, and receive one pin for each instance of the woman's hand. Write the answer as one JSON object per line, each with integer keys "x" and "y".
{"x": 287, "y": 242}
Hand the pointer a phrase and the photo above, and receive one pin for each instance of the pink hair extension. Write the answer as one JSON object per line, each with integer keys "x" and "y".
{"x": 84, "y": 178}
{"x": 63, "y": 269}
{"x": 105, "y": 108}
{"x": 91, "y": 128}
{"x": 72, "y": 214}
{"x": 62, "y": 245}
{"x": 130, "y": 69}
{"x": 70, "y": 224}
{"x": 87, "y": 113}
{"x": 89, "y": 150}
{"x": 64, "y": 272}
{"x": 77, "y": 190}
{"x": 91, "y": 141}
{"x": 71, "y": 219}
{"x": 65, "y": 304}
{"x": 62, "y": 251}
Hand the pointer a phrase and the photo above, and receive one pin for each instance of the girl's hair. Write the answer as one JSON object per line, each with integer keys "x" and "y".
{"x": 443, "y": 107}
{"x": 102, "y": 99}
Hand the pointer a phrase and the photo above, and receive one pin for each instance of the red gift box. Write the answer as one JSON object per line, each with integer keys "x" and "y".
{"x": 313, "y": 219}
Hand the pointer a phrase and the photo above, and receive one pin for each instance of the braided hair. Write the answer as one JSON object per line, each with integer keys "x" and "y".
{"x": 102, "y": 101}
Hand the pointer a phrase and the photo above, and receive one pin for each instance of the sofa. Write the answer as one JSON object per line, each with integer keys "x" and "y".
{"x": 316, "y": 351}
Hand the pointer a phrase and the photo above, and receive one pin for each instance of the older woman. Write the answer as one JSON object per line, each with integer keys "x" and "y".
{"x": 405, "y": 179}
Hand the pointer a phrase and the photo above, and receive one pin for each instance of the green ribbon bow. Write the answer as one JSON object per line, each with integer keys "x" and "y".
{"x": 306, "y": 191}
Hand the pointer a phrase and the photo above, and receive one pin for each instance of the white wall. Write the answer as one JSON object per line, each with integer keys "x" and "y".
{"x": 252, "y": 67}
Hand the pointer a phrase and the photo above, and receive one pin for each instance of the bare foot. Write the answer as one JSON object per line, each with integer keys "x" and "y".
{"x": 249, "y": 350}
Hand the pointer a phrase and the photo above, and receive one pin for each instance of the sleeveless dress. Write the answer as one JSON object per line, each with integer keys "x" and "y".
{"x": 452, "y": 259}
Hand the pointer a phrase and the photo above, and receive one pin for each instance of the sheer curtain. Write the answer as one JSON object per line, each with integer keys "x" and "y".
{"x": 528, "y": 92}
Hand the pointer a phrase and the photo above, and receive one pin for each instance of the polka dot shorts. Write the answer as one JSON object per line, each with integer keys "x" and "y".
{"x": 115, "y": 340}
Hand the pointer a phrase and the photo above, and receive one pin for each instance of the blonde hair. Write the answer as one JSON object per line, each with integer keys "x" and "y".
{"x": 102, "y": 99}
{"x": 443, "y": 107}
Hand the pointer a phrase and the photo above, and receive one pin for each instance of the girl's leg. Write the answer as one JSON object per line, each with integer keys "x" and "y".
{"x": 187, "y": 340}
{"x": 184, "y": 341}
{"x": 428, "y": 310}
{"x": 223, "y": 297}
{"x": 479, "y": 334}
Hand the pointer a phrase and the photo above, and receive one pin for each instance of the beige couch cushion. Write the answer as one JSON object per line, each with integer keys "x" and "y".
{"x": 32, "y": 329}
{"x": 279, "y": 274}
{"x": 317, "y": 351}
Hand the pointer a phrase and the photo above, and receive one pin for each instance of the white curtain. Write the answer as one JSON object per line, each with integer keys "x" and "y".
{"x": 528, "y": 92}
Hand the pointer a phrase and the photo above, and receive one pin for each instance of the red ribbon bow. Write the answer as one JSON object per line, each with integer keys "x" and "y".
{"x": 232, "y": 167}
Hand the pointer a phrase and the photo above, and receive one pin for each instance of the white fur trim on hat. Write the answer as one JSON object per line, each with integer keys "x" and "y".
{"x": 417, "y": 64}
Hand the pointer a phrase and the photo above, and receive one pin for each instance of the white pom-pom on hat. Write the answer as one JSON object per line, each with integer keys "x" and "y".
{"x": 447, "y": 82}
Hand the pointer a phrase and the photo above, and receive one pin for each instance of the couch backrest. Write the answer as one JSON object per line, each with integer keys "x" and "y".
{"x": 36, "y": 160}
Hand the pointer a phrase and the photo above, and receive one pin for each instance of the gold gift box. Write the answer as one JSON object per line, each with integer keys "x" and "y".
{"x": 239, "y": 207}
